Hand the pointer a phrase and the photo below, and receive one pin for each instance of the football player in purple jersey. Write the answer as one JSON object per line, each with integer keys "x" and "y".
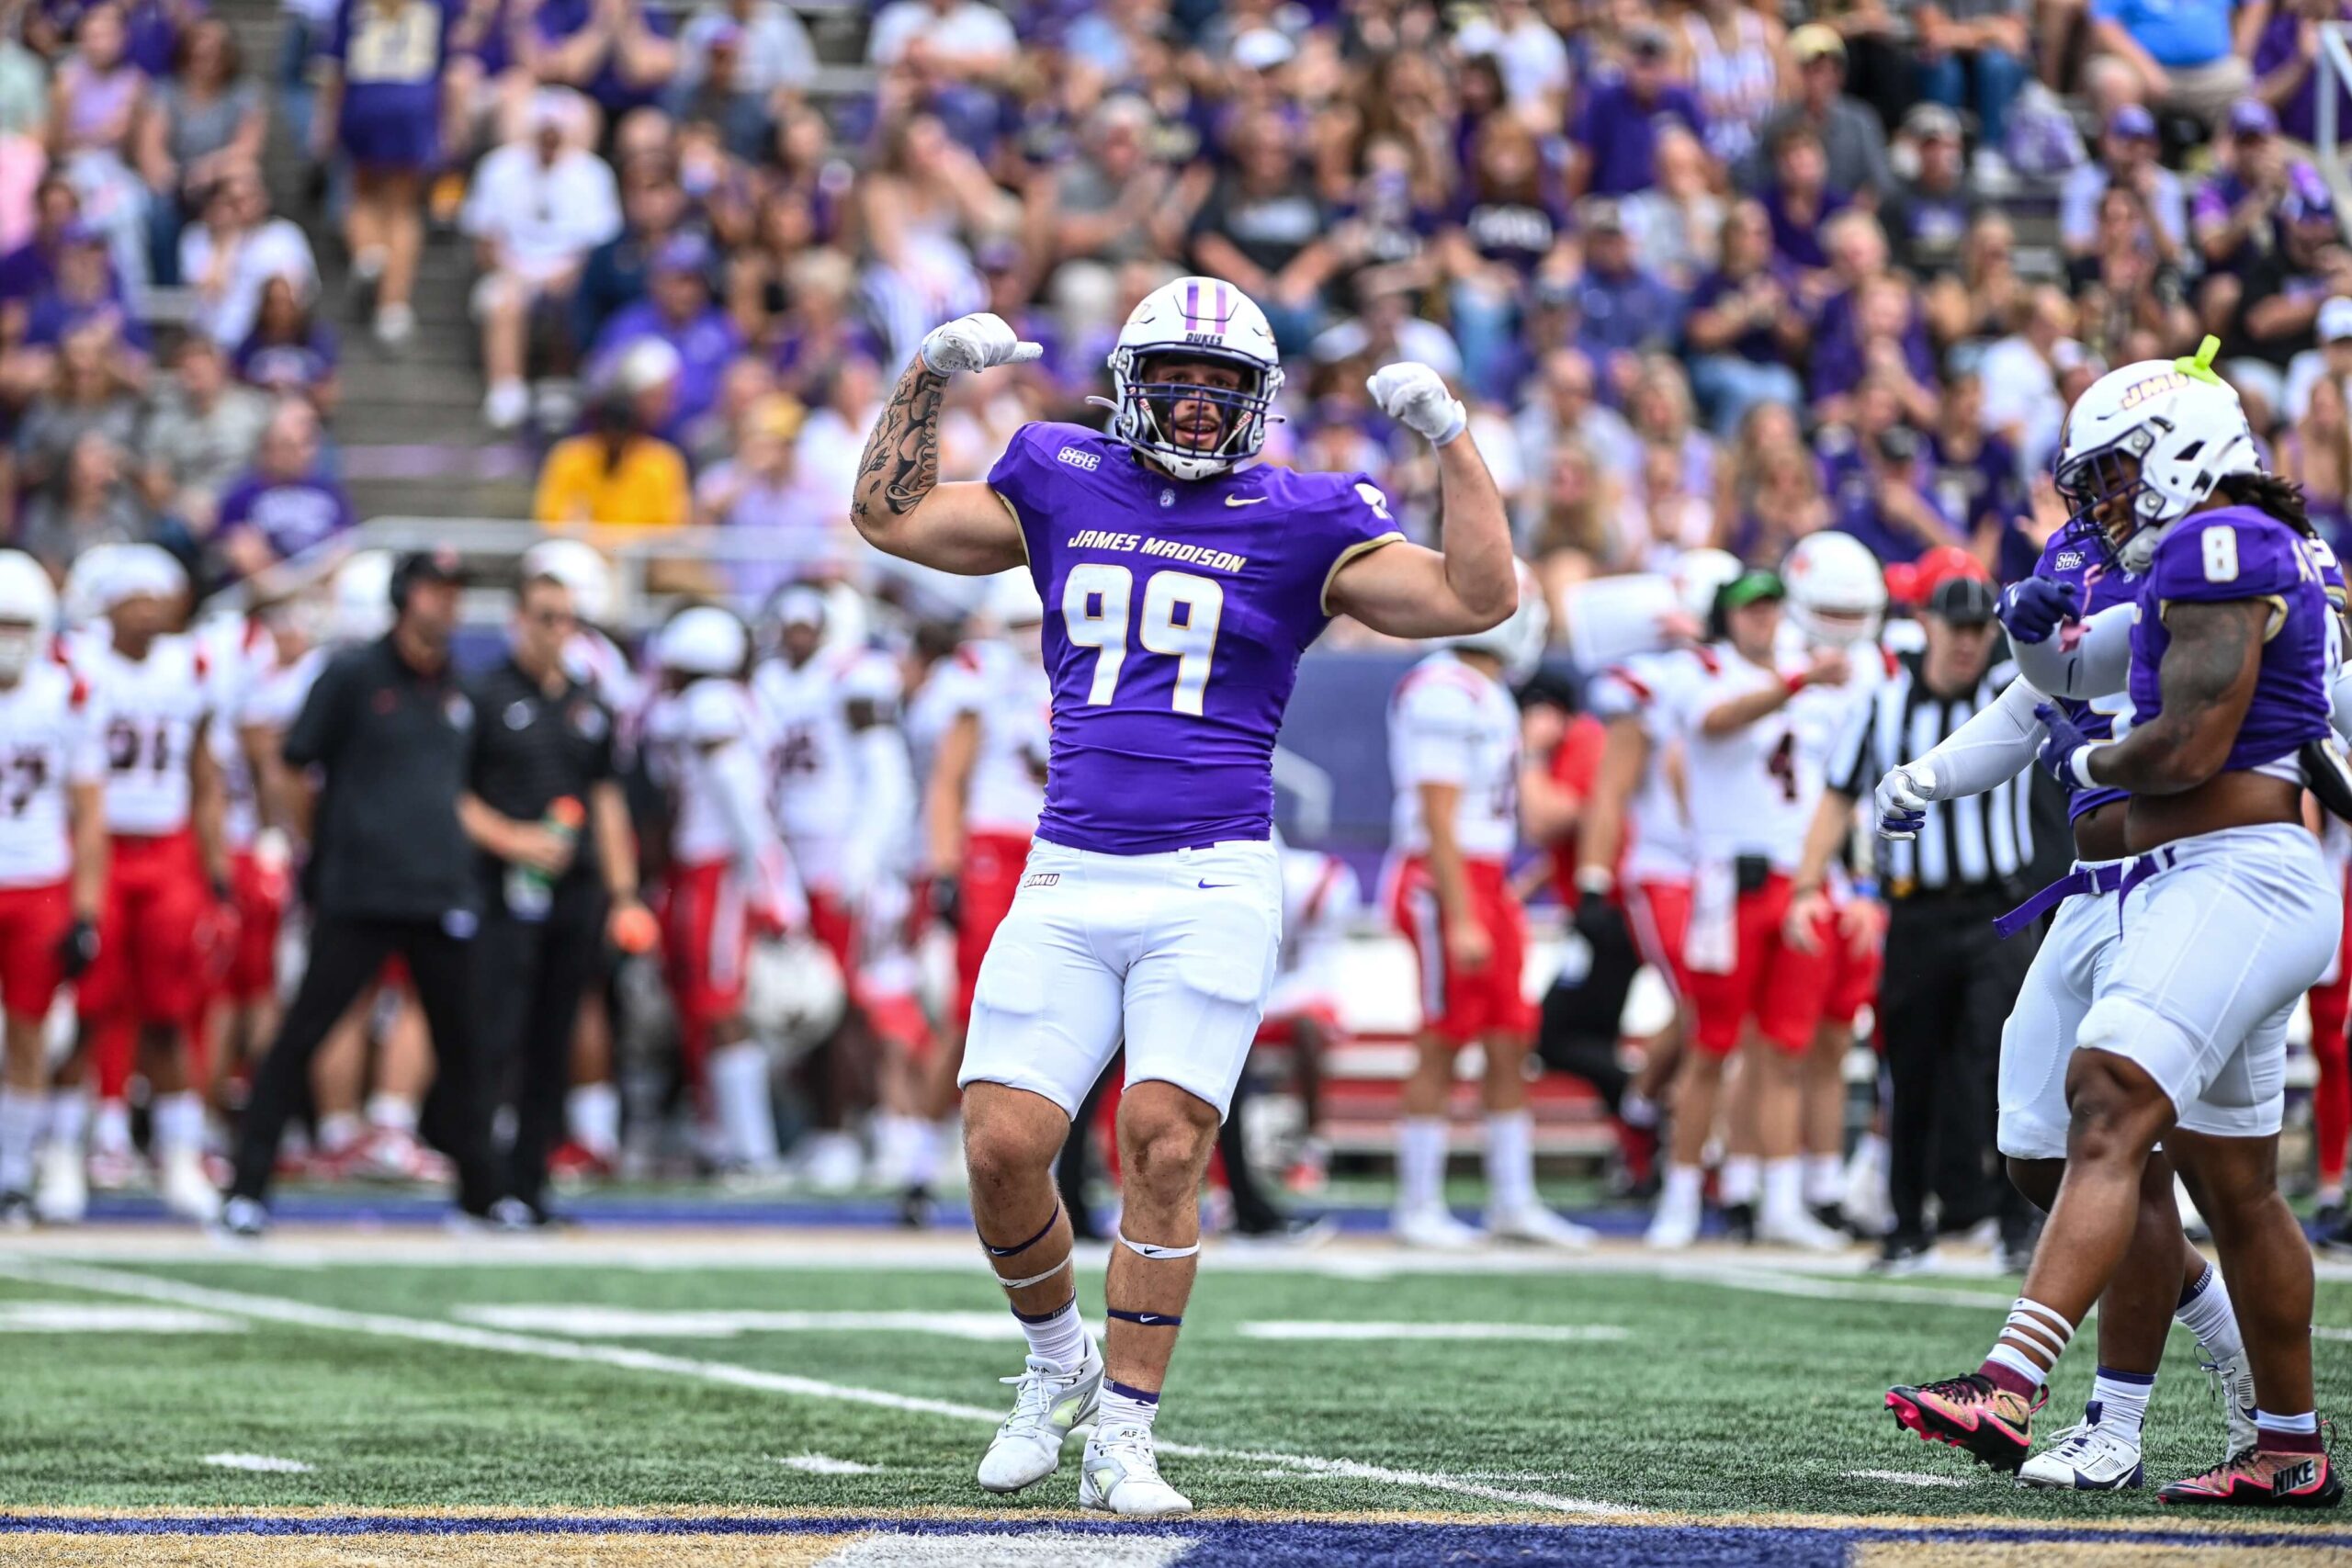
{"x": 1181, "y": 582}
{"x": 2227, "y": 909}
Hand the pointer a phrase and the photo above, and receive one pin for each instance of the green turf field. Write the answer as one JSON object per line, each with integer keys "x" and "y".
{"x": 507, "y": 1381}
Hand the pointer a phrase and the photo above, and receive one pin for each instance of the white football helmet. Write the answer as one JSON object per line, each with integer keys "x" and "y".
{"x": 363, "y": 598}
{"x": 580, "y": 567}
{"x": 793, "y": 995}
{"x": 2183, "y": 431}
{"x": 1697, "y": 575}
{"x": 1836, "y": 589}
{"x": 141, "y": 571}
{"x": 27, "y": 613}
{"x": 1195, "y": 318}
{"x": 703, "y": 640}
{"x": 85, "y": 599}
{"x": 1520, "y": 637}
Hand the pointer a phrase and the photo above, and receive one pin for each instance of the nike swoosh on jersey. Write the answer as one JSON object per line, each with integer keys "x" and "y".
{"x": 1215, "y": 885}
{"x": 1243, "y": 500}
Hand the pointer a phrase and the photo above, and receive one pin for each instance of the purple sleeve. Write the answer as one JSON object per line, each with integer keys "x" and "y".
{"x": 1021, "y": 477}
{"x": 2234, "y": 553}
{"x": 339, "y": 40}
{"x": 1588, "y": 113}
{"x": 237, "y": 506}
{"x": 1694, "y": 114}
{"x": 2212, "y": 206}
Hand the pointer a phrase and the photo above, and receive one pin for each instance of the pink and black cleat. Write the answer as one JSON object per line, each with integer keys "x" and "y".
{"x": 1993, "y": 1422}
{"x": 2256, "y": 1478}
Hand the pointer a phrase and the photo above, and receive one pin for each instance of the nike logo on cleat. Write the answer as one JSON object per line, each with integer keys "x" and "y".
{"x": 2294, "y": 1480}
{"x": 1243, "y": 500}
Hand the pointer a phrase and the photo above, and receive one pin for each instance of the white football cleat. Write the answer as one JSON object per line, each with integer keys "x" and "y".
{"x": 2234, "y": 1382}
{"x": 1120, "y": 1474}
{"x": 1046, "y": 1403}
{"x": 833, "y": 1162}
{"x": 1433, "y": 1227}
{"x": 184, "y": 1188}
{"x": 61, "y": 1189}
{"x": 1538, "y": 1225}
{"x": 1673, "y": 1228}
{"x": 2085, "y": 1457}
{"x": 1799, "y": 1229}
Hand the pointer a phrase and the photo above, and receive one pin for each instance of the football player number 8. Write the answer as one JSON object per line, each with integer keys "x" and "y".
{"x": 1179, "y": 615}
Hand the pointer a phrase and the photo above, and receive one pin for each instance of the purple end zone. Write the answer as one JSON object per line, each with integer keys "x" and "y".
{"x": 1224, "y": 1543}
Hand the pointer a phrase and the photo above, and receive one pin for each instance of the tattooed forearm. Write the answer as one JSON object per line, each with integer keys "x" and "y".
{"x": 2208, "y": 677}
{"x": 901, "y": 462}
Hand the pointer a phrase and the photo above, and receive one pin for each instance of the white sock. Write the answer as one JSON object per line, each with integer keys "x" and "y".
{"x": 1511, "y": 1160}
{"x": 1637, "y": 1109}
{"x": 1124, "y": 1406}
{"x": 2032, "y": 1333}
{"x": 922, "y": 1152}
{"x": 177, "y": 1122}
{"x": 391, "y": 1114}
{"x": 338, "y": 1130}
{"x": 1421, "y": 1162}
{"x": 2328, "y": 1197}
{"x": 69, "y": 1117}
{"x": 2205, "y": 1312}
{"x": 21, "y": 1112}
{"x": 1059, "y": 1339}
{"x": 2121, "y": 1401}
{"x": 739, "y": 1087}
{"x": 1783, "y": 1188}
{"x": 111, "y": 1133}
{"x": 1824, "y": 1179}
{"x": 592, "y": 1114}
{"x": 1684, "y": 1185}
{"x": 1742, "y": 1179}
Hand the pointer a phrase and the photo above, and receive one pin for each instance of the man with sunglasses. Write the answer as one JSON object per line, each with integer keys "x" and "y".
{"x": 544, "y": 808}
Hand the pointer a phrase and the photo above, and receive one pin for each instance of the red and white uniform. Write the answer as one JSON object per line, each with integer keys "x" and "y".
{"x": 1654, "y": 872}
{"x": 2331, "y": 1004}
{"x": 260, "y": 874}
{"x": 592, "y": 659}
{"x": 155, "y": 938}
{"x": 50, "y": 740}
{"x": 1824, "y": 715}
{"x": 1321, "y": 897}
{"x": 1450, "y": 724}
{"x": 1011, "y": 698}
{"x": 727, "y": 872}
{"x": 816, "y": 784}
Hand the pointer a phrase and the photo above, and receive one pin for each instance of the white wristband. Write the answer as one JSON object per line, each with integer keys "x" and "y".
{"x": 2080, "y": 765}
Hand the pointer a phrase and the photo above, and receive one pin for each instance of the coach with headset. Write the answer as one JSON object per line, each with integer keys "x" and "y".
{"x": 386, "y": 733}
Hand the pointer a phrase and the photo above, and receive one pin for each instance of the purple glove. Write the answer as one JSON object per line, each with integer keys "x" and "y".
{"x": 2032, "y": 609}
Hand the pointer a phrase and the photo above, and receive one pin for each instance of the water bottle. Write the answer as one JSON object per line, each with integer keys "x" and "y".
{"x": 529, "y": 890}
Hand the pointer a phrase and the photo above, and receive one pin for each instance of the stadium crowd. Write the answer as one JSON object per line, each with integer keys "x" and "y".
{"x": 1707, "y": 281}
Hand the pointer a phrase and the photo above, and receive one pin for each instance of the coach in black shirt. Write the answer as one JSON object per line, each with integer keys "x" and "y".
{"x": 544, "y": 807}
{"x": 388, "y": 731}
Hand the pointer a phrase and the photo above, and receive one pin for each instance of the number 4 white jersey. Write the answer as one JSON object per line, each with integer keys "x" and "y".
{"x": 49, "y": 741}
{"x": 1752, "y": 791}
{"x": 155, "y": 707}
{"x": 1450, "y": 724}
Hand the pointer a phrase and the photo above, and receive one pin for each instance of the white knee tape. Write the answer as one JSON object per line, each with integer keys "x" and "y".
{"x": 1145, "y": 1249}
{"x": 1034, "y": 1279}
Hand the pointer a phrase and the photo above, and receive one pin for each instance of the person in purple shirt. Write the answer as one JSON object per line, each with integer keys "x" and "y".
{"x": 2287, "y": 73}
{"x": 31, "y": 267}
{"x": 1798, "y": 199}
{"x": 85, "y": 288}
{"x": 1180, "y": 583}
{"x": 290, "y": 351}
{"x": 1622, "y": 310}
{"x": 1977, "y": 482}
{"x": 381, "y": 107}
{"x": 619, "y": 53}
{"x": 1876, "y": 329}
{"x": 679, "y": 310}
{"x": 1875, "y": 474}
{"x": 1744, "y": 327}
{"x": 285, "y": 505}
{"x": 1616, "y": 127}
{"x": 1509, "y": 221}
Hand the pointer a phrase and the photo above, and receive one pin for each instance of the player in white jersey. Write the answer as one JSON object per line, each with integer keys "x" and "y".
{"x": 726, "y": 877}
{"x": 1453, "y": 757}
{"x": 1751, "y": 790}
{"x": 164, "y": 921}
{"x": 1322, "y": 896}
{"x": 52, "y": 855}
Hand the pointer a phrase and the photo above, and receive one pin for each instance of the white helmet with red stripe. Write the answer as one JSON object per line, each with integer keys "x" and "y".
{"x": 1837, "y": 589}
{"x": 1195, "y": 319}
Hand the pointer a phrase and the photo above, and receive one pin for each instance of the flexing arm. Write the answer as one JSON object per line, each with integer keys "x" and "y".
{"x": 2088, "y": 658}
{"x": 899, "y": 504}
{"x": 1995, "y": 745}
{"x": 2207, "y": 676}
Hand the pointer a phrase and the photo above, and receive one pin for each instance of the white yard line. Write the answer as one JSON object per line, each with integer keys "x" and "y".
{"x": 629, "y": 1323}
{"x": 278, "y": 1309}
{"x": 108, "y": 1318}
{"x": 1904, "y": 1478}
{"x": 826, "y": 1464}
{"x": 266, "y": 1463}
{"x": 1388, "y": 1332}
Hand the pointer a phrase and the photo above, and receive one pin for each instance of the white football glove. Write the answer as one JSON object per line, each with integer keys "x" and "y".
{"x": 975, "y": 343}
{"x": 1415, "y": 396}
{"x": 1902, "y": 799}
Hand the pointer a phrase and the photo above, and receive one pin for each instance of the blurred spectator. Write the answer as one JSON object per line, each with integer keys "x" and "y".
{"x": 290, "y": 351}
{"x": 709, "y": 440}
{"x": 536, "y": 211}
{"x": 841, "y": 408}
{"x": 1981, "y": 302}
{"x": 1564, "y": 407}
{"x": 2332, "y": 360}
{"x": 380, "y": 105}
{"x": 1977, "y": 483}
{"x": 2286, "y": 287}
{"x": 1108, "y": 205}
{"x": 614, "y": 276}
{"x": 1874, "y": 331}
{"x": 2317, "y": 453}
{"x": 1876, "y": 474}
{"x": 2181, "y": 50}
{"x": 753, "y": 53}
{"x": 85, "y": 397}
{"x": 1578, "y": 515}
{"x": 1798, "y": 199}
{"x": 2129, "y": 291}
{"x": 614, "y": 475}
{"x": 24, "y": 89}
{"x": 2127, "y": 158}
{"x": 94, "y": 101}
{"x": 2020, "y": 375}
{"x": 678, "y": 310}
{"x": 1507, "y": 225}
{"x": 926, "y": 207}
{"x": 814, "y": 335}
{"x": 2286, "y": 65}
{"x": 32, "y": 266}
{"x": 1387, "y": 330}
{"x": 1263, "y": 229}
{"x": 1772, "y": 494}
{"x": 1616, "y": 130}
{"x": 285, "y": 506}
{"x": 1852, "y": 140}
{"x": 960, "y": 40}
{"x": 1928, "y": 217}
{"x": 230, "y": 256}
{"x": 92, "y": 503}
{"x": 759, "y": 488}
{"x": 1744, "y": 330}
{"x": 84, "y": 292}
{"x": 199, "y": 436}
{"x": 1731, "y": 54}
{"x": 1532, "y": 60}
{"x": 205, "y": 123}
{"x": 2233, "y": 216}
{"x": 1676, "y": 224}
{"x": 1385, "y": 237}
{"x": 1659, "y": 411}
{"x": 1988, "y": 43}
{"x": 618, "y": 52}
{"x": 1674, "y": 519}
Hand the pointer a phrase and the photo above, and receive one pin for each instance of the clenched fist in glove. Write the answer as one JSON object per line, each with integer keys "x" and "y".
{"x": 1903, "y": 797}
{"x": 1415, "y": 396}
{"x": 975, "y": 343}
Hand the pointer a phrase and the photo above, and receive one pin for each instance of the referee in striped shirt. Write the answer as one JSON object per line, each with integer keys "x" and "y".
{"x": 1950, "y": 982}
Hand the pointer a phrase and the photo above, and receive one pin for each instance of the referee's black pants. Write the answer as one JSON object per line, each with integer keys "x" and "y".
{"x": 345, "y": 954}
{"x": 1949, "y": 986}
{"x": 531, "y": 976}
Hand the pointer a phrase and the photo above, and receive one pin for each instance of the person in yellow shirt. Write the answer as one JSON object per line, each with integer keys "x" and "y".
{"x": 614, "y": 474}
